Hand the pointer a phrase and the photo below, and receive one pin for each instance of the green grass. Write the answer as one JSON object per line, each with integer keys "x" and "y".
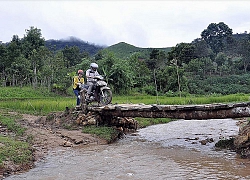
{"x": 11, "y": 125}
{"x": 28, "y": 100}
{"x": 39, "y": 106}
{"x": 24, "y": 93}
{"x": 107, "y": 133}
{"x": 181, "y": 100}
{"x": 144, "y": 122}
{"x": 13, "y": 150}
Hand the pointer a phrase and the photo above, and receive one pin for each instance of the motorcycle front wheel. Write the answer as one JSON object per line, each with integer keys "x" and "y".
{"x": 83, "y": 101}
{"x": 106, "y": 97}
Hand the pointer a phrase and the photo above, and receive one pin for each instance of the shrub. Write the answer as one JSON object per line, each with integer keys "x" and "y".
{"x": 150, "y": 90}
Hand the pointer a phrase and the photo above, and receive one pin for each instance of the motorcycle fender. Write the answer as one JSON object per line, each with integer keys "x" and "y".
{"x": 105, "y": 87}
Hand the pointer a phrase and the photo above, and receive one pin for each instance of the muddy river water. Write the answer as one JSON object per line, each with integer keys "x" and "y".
{"x": 165, "y": 151}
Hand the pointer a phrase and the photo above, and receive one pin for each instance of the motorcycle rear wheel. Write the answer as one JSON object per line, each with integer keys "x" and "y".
{"x": 106, "y": 98}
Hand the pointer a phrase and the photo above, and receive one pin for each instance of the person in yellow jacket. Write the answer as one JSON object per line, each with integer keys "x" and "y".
{"x": 77, "y": 82}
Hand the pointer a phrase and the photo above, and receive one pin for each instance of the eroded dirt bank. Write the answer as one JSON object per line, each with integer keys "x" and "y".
{"x": 49, "y": 133}
{"x": 242, "y": 141}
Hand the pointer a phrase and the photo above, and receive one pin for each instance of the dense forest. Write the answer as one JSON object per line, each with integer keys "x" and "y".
{"x": 218, "y": 62}
{"x": 56, "y": 45}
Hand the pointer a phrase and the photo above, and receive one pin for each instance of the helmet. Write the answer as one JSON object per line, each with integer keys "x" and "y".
{"x": 80, "y": 71}
{"x": 94, "y": 66}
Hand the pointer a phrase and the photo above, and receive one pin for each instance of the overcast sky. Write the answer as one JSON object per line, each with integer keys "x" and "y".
{"x": 143, "y": 23}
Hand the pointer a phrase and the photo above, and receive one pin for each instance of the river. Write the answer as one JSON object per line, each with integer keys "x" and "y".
{"x": 164, "y": 151}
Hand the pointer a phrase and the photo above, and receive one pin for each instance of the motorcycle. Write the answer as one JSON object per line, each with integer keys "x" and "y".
{"x": 101, "y": 93}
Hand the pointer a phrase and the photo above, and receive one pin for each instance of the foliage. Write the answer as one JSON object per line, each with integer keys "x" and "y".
{"x": 231, "y": 84}
{"x": 121, "y": 77}
{"x": 17, "y": 151}
{"x": 72, "y": 55}
{"x": 183, "y": 53}
{"x": 216, "y": 36}
{"x": 150, "y": 90}
{"x": 140, "y": 73}
{"x": 244, "y": 51}
{"x": 167, "y": 79}
{"x": 32, "y": 40}
{"x": 187, "y": 67}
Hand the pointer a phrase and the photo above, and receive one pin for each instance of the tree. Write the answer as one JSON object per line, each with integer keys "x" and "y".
{"x": 33, "y": 40}
{"x": 220, "y": 59}
{"x": 141, "y": 73}
{"x": 13, "y": 56}
{"x": 243, "y": 51}
{"x": 31, "y": 49}
{"x": 217, "y": 35}
{"x": 152, "y": 62}
{"x": 50, "y": 64}
{"x": 4, "y": 63}
{"x": 122, "y": 78}
{"x": 183, "y": 53}
{"x": 157, "y": 59}
{"x": 72, "y": 55}
{"x": 20, "y": 70}
{"x": 106, "y": 63}
{"x": 99, "y": 55}
{"x": 154, "y": 54}
{"x": 171, "y": 79}
{"x": 200, "y": 66}
{"x": 202, "y": 49}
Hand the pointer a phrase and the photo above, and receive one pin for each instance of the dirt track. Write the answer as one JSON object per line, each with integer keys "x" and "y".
{"x": 47, "y": 137}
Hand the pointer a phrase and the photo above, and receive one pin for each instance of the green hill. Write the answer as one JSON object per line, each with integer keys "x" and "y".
{"x": 123, "y": 50}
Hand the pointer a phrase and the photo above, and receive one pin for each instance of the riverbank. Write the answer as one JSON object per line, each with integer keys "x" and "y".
{"x": 46, "y": 134}
{"x": 68, "y": 129}
{"x": 65, "y": 130}
{"x": 242, "y": 141}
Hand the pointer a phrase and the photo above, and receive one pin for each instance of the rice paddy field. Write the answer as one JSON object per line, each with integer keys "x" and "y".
{"x": 42, "y": 102}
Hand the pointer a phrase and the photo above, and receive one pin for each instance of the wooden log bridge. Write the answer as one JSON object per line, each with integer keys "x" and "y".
{"x": 205, "y": 111}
